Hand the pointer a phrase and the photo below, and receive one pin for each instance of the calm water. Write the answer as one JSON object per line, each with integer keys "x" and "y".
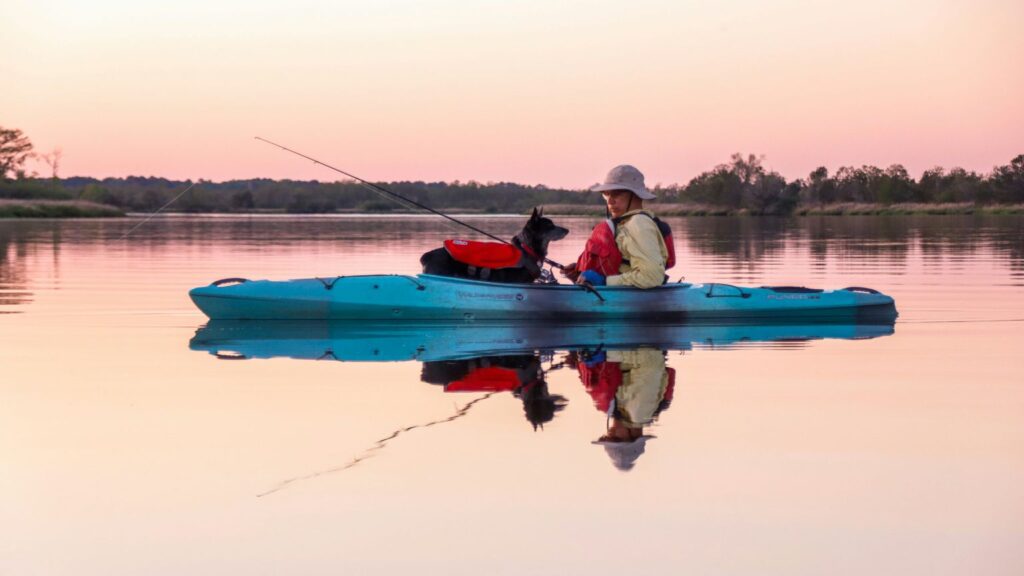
{"x": 137, "y": 440}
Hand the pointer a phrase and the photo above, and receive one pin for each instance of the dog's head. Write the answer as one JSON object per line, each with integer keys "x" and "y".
{"x": 540, "y": 231}
{"x": 539, "y": 405}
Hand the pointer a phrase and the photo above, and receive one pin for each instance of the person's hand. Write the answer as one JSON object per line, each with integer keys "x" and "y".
{"x": 592, "y": 277}
{"x": 570, "y": 272}
{"x": 595, "y": 359}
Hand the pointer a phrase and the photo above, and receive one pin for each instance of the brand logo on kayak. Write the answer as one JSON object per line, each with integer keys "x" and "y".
{"x": 794, "y": 297}
{"x": 489, "y": 295}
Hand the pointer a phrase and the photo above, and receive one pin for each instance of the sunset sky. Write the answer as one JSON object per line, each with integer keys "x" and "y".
{"x": 531, "y": 91}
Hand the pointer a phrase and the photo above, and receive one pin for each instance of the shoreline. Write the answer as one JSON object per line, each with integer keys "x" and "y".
{"x": 17, "y": 208}
{"x": 27, "y": 208}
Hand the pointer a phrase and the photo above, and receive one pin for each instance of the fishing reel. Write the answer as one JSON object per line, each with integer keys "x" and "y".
{"x": 546, "y": 277}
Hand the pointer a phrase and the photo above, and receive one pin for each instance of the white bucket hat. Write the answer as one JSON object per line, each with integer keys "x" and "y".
{"x": 625, "y": 177}
{"x": 624, "y": 454}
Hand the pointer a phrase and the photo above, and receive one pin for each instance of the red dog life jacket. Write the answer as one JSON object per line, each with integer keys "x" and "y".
{"x": 484, "y": 254}
{"x": 602, "y": 254}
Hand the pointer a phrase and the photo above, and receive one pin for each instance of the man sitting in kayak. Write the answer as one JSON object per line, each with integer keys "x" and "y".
{"x": 628, "y": 249}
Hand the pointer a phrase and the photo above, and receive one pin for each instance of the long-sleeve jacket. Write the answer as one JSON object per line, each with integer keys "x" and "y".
{"x": 643, "y": 252}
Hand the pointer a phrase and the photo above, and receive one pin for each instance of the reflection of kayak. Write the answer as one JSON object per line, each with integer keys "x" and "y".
{"x": 426, "y": 297}
{"x": 393, "y": 341}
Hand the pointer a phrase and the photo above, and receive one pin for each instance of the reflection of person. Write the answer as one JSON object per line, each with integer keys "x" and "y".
{"x": 632, "y": 387}
{"x": 628, "y": 248}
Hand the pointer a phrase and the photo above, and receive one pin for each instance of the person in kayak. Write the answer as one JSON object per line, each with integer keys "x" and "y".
{"x": 627, "y": 249}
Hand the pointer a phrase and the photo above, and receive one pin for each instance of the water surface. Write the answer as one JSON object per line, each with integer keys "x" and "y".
{"x": 136, "y": 440}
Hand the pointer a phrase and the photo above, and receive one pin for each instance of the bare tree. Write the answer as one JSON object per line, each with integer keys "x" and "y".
{"x": 52, "y": 159}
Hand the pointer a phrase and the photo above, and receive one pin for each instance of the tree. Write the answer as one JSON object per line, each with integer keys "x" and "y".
{"x": 894, "y": 185}
{"x": 958, "y": 185}
{"x": 15, "y": 148}
{"x": 818, "y": 188}
{"x": 1008, "y": 181}
{"x": 769, "y": 194}
{"x": 719, "y": 187}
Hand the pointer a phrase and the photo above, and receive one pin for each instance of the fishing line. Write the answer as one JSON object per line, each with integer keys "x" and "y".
{"x": 380, "y": 190}
{"x": 377, "y": 446}
{"x": 191, "y": 186}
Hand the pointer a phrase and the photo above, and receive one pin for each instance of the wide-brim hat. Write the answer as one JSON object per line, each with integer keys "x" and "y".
{"x": 624, "y": 454}
{"x": 625, "y": 177}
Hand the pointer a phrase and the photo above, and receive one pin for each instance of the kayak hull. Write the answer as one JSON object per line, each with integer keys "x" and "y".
{"x": 436, "y": 298}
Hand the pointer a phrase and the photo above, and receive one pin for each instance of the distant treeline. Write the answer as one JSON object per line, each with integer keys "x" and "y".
{"x": 742, "y": 184}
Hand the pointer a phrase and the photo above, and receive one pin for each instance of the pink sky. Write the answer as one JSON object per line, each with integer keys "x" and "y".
{"x": 531, "y": 92}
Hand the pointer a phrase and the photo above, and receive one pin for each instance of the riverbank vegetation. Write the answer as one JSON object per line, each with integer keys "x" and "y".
{"x": 56, "y": 209}
{"x": 743, "y": 185}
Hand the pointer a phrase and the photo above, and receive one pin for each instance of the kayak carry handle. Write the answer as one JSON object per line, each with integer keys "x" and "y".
{"x": 328, "y": 284}
{"x": 862, "y": 289}
{"x": 711, "y": 289}
{"x": 224, "y": 281}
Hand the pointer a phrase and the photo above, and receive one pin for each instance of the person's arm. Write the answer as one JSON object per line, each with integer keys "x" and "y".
{"x": 640, "y": 242}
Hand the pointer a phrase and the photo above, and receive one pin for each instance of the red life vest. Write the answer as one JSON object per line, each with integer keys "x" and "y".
{"x": 602, "y": 254}
{"x": 484, "y": 254}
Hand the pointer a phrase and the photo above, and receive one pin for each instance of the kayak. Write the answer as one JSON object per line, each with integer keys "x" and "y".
{"x": 426, "y": 297}
{"x": 428, "y": 342}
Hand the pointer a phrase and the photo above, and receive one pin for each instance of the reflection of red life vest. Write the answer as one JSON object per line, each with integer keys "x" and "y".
{"x": 602, "y": 253}
{"x": 486, "y": 379}
{"x": 602, "y": 381}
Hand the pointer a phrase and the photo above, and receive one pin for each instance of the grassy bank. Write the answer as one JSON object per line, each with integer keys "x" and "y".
{"x": 851, "y": 209}
{"x": 56, "y": 209}
{"x": 840, "y": 209}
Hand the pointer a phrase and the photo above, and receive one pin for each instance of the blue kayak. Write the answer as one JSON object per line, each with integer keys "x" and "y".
{"x": 439, "y": 298}
{"x": 427, "y": 342}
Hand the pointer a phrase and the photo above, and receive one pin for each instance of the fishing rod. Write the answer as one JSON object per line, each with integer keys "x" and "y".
{"x": 158, "y": 210}
{"x": 378, "y": 189}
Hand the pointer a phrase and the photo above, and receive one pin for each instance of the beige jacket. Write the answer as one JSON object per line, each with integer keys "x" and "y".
{"x": 642, "y": 245}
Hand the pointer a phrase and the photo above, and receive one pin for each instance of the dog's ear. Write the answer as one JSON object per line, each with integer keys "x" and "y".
{"x": 534, "y": 216}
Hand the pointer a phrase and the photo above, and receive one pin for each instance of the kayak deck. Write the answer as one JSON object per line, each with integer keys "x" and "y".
{"x": 438, "y": 298}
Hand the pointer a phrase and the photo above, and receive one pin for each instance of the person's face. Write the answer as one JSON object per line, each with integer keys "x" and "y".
{"x": 618, "y": 201}
{"x": 619, "y": 432}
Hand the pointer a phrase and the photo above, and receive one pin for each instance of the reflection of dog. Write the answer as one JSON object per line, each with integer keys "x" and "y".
{"x": 532, "y": 243}
{"x": 519, "y": 374}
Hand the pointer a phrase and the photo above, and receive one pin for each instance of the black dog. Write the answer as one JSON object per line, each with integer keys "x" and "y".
{"x": 532, "y": 242}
